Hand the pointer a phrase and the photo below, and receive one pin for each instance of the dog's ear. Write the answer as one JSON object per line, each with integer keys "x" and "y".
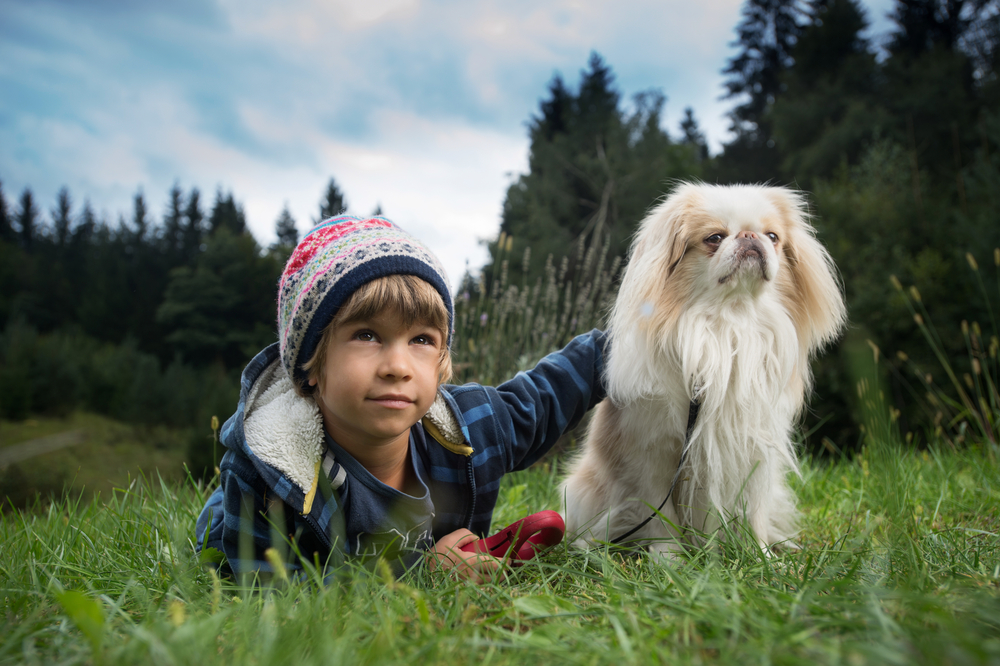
{"x": 664, "y": 234}
{"x": 811, "y": 286}
{"x": 678, "y": 246}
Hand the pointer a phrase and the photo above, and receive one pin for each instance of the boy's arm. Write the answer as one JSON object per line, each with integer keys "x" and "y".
{"x": 536, "y": 407}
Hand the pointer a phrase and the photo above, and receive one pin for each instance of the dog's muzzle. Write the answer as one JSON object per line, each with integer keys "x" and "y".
{"x": 749, "y": 252}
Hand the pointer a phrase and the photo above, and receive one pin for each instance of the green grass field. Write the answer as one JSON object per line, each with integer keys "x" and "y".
{"x": 900, "y": 563}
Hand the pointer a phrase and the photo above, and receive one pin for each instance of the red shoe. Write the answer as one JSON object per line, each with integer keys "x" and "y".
{"x": 525, "y": 537}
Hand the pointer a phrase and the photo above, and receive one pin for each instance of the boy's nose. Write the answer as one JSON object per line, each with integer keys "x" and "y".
{"x": 395, "y": 361}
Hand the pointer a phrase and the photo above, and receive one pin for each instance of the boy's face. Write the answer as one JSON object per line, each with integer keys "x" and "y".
{"x": 380, "y": 377}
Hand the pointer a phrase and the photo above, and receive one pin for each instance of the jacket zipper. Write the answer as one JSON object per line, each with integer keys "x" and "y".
{"x": 472, "y": 490}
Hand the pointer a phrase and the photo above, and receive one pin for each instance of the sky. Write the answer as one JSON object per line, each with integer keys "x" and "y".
{"x": 419, "y": 107}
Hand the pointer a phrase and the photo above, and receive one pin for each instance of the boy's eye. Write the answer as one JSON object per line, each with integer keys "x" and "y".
{"x": 364, "y": 336}
{"x": 424, "y": 340}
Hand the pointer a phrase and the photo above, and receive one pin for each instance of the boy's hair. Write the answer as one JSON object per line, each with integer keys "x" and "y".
{"x": 406, "y": 297}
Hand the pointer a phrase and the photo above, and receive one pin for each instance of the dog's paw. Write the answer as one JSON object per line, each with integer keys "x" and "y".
{"x": 667, "y": 552}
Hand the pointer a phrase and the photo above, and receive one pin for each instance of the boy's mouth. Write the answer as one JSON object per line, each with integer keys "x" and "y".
{"x": 393, "y": 401}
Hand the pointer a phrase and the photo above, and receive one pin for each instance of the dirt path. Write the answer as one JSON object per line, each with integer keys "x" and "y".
{"x": 36, "y": 447}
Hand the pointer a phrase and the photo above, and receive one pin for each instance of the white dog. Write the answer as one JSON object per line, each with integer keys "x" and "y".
{"x": 726, "y": 297}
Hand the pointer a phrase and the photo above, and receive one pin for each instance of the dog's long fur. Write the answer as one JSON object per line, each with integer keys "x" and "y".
{"x": 734, "y": 325}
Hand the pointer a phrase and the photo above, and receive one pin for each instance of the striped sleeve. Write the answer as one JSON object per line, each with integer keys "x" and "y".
{"x": 535, "y": 408}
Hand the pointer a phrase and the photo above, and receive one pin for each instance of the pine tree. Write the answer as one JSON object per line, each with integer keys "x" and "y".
{"x": 192, "y": 233}
{"x": 594, "y": 169}
{"x": 332, "y": 204}
{"x": 61, "y": 216}
{"x": 140, "y": 219}
{"x": 227, "y": 214}
{"x": 768, "y": 31}
{"x": 929, "y": 91}
{"x": 829, "y": 111}
{"x": 923, "y": 25}
{"x": 692, "y": 135}
{"x": 84, "y": 229}
{"x": 6, "y": 226}
{"x": 286, "y": 231}
{"x": 173, "y": 223}
{"x": 597, "y": 101}
{"x": 26, "y": 218}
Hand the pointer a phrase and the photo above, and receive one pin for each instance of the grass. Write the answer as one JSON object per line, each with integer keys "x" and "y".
{"x": 900, "y": 563}
{"x": 109, "y": 454}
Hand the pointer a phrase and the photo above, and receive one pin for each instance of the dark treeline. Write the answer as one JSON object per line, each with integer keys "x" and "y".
{"x": 143, "y": 320}
{"x": 896, "y": 139}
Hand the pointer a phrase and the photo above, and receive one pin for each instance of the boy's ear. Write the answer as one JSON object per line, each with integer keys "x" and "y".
{"x": 312, "y": 382}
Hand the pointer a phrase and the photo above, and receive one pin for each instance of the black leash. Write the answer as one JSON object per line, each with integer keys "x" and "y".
{"x": 692, "y": 417}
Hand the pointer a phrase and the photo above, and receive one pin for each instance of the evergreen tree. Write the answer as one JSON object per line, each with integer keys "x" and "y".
{"x": 6, "y": 227}
{"x": 26, "y": 218}
{"x": 227, "y": 214}
{"x": 923, "y": 25}
{"x": 61, "y": 216}
{"x": 597, "y": 101}
{"x": 767, "y": 33}
{"x": 222, "y": 308}
{"x": 286, "y": 231}
{"x": 692, "y": 135}
{"x": 929, "y": 91}
{"x": 332, "y": 204}
{"x": 193, "y": 230}
{"x": 829, "y": 111}
{"x": 594, "y": 169}
{"x": 173, "y": 223}
{"x": 981, "y": 43}
{"x": 84, "y": 229}
{"x": 140, "y": 218}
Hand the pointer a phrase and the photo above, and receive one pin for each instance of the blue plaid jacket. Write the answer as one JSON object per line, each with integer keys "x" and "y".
{"x": 505, "y": 429}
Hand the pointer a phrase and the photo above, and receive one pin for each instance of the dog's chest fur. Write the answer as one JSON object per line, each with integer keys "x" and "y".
{"x": 741, "y": 361}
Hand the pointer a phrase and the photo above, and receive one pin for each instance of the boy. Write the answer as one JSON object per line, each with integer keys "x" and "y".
{"x": 346, "y": 440}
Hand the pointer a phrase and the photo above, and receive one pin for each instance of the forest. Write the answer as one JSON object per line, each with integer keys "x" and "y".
{"x": 895, "y": 138}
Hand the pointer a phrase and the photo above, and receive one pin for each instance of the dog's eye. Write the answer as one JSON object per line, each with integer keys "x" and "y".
{"x": 715, "y": 239}
{"x": 773, "y": 236}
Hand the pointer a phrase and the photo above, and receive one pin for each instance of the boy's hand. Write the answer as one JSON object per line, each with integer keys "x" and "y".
{"x": 446, "y": 555}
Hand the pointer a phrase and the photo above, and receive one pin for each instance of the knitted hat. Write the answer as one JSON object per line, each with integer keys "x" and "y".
{"x": 335, "y": 258}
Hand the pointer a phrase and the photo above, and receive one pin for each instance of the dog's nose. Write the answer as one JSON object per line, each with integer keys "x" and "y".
{"x": 747, "y": 234}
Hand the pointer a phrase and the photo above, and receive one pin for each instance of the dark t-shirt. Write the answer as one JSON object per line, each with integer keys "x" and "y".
{"x": 381, "y": 520}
